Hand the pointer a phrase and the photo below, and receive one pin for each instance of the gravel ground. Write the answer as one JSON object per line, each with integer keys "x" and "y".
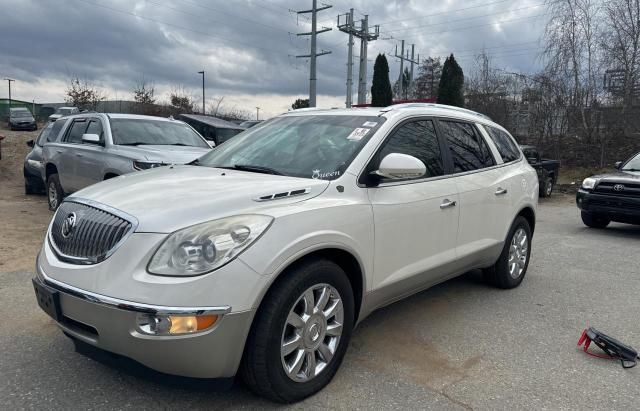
{"x": 459, "y": 345}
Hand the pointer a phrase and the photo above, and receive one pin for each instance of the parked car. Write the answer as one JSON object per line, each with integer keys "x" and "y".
{"x": 612, "y": 197}
{"x": 548, "y": 170}
{"x": 33, "y": 162}
{"x": 260, "y": 258}
{"x": 20, "y": 118}
{"x": 94, "y": 147}
{"x": 250, "y": 123}
{"x": 63, "y": 111}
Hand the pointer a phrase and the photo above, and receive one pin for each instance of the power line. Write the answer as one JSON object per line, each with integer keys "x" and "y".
{"x": 140, "y": 16}
{"x": 384, "y": 23}
{"x": 466, "y": 18}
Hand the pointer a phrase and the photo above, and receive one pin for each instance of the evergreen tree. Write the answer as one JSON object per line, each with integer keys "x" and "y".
{"x": 300, "y": 103}
{"x": 451, "y": 84}
{"x": 381, "y": 95}
{"x": 428, "y": 78}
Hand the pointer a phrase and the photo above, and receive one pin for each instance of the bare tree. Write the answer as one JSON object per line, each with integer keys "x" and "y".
{"x": 621, "y": 44}
{"x": 428, "y": 78}
{"x": 214, "y": 108}
{"x": 84, "y": 95}
{"x": 181, "y": 100}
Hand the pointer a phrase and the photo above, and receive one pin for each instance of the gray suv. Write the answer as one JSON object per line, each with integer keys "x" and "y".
{"x": 93, "y": 147}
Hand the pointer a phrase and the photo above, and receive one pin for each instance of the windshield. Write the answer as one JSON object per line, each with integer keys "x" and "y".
{"x": 311, "y": 146}
{"x": 135, "y": 131}
{"x": 20, "y": 114}
{"x": 633, "y": 164}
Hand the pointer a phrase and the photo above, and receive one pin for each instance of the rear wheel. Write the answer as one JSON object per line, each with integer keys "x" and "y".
{"x": 54, "y": 192}
{"x": 594, "y": 220}
{"x": 511, "y": 267}
{"x": 547, "y": 187}
{"x": 300, "y": 334}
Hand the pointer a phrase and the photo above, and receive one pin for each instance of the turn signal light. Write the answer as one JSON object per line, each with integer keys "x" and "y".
{"x": 175, "y": 324}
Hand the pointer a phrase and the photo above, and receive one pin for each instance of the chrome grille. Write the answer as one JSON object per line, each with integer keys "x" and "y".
{"x": 94, "y": 234}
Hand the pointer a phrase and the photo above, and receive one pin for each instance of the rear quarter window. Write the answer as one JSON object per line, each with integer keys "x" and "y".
{"x": 504, "y": 143}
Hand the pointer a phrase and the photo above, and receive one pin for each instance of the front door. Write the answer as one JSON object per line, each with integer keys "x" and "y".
{"x": 90, "y": 157}
{"x": 415, "y": 220}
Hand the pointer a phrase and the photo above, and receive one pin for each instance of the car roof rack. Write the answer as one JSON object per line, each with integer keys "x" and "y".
{"x": 435, "y": 105}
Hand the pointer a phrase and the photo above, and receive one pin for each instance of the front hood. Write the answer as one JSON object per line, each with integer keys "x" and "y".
{"x": 163, "y": 154}
{"x": 631, "y": 177}
{"x": 170, "y": 198}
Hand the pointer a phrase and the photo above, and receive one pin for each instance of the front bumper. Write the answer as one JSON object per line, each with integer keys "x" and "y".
{"x": 23, "y": 126}
{"x": 623, "y": 209}
{"x": 110, "y": 324}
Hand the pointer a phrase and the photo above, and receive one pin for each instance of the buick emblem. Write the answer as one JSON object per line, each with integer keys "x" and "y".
{"x": 68, "y": 225}
{"x": 619, "y": 187}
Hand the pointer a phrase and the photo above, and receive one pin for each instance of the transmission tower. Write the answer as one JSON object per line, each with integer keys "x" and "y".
{"x": 411, "y": 60}
{"x": 312, "y": 56}
{"x": 346, "y": 24}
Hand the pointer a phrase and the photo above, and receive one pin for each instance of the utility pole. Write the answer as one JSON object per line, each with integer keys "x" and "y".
{"x": 9, "y": 80}
{"x": 365, "y": 37}
{"x": 257, "y": 113}
{"x": 403, "y": 58}
{"x": 203, "y": 100}
{"x": 348, "y": 27}
{"x": 314, "y": 33}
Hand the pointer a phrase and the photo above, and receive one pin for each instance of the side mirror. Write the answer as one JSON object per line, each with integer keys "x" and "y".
{"x": 617, "y": 165}
{"x": 31, "y": 143}
{"x": 91, "y": 138}
{"x": 532, "y": 160}
{"x": 396, "y": 166}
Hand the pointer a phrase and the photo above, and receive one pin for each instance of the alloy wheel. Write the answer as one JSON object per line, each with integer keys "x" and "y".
{"x": 312, "y": 332}
{"x": 518, "y": 253}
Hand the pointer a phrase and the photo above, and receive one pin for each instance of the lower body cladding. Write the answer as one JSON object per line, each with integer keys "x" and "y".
{"x": 118, "y": 327}
{"x": 621, "y": 209}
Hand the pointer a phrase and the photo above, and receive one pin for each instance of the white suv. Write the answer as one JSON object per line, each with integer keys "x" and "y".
{"x": 262, "y": 256}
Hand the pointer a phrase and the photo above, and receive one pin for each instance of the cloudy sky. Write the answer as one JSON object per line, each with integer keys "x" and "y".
{"x": 246, "y": 47}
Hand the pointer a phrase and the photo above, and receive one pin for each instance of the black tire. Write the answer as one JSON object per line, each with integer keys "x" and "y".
{"x": 594, "y": 220}
{"x": 262, "y": 367}
{"x": 28, "y": 188}
{"x": 547, "y": 187}
{"x": 499, "y": 274}
{"x": 53, "y": 184}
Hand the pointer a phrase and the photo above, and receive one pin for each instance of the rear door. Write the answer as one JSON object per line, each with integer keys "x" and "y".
{"x": 416, "y": 220}
{"x": 67, "y": 162}
{"x": 484, "y": 193}
{"x": 90, "y": 157}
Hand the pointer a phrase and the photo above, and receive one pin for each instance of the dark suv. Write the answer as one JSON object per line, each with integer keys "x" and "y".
{"x": 612, "y": 197}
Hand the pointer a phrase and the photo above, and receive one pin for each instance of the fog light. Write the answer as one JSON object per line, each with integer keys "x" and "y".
{"x": 175, "y": 324}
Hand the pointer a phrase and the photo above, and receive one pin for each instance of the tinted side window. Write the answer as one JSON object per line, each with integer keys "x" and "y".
{"x": 76, "y": 131}
{"x": 505, "y": 145}
{"x": 43, "y": 137}
{"x": 417, "y": 139}
{"x": 55, "y": 130}
{"x": 468, "y": 149}
{"x": 95, "y": 127}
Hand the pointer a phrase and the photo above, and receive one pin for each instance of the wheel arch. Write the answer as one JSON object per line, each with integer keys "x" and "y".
{"x": 530, "y": 215}
{"x": 344, "y": 258}
{"x": 50, "y": 168}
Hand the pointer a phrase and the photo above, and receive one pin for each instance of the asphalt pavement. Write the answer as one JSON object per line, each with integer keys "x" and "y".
{"x": 459, "y": 345}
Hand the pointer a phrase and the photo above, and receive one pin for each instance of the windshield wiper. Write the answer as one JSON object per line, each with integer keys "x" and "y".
{"x": 254, "y": 169}
{"x": 631, "y": 169}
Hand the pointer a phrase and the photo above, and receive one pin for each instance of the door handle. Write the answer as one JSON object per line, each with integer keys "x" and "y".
{"x": 58, "y": 151}
{"x": 501, "y": 191}
{"x": 447, "y": 203}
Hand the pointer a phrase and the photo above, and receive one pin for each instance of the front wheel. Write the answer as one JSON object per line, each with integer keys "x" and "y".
{"x": 300, "y": 333}
{"x": 594, "y": 220}
{"x": 511, "y": 267}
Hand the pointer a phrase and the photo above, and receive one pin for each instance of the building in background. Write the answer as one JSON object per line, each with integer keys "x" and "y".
{"x": 34, "y": 108}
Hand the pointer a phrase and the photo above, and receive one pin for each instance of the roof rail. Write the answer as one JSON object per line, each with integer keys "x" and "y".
{"x": 435, "y": 105}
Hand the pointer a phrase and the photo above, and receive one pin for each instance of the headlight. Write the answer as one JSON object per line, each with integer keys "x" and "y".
{"x": 589, "y": 183}
{"x": 34, "y": 163}
{"x": 204, "y": 247}
{"x": 144, "y": 165}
